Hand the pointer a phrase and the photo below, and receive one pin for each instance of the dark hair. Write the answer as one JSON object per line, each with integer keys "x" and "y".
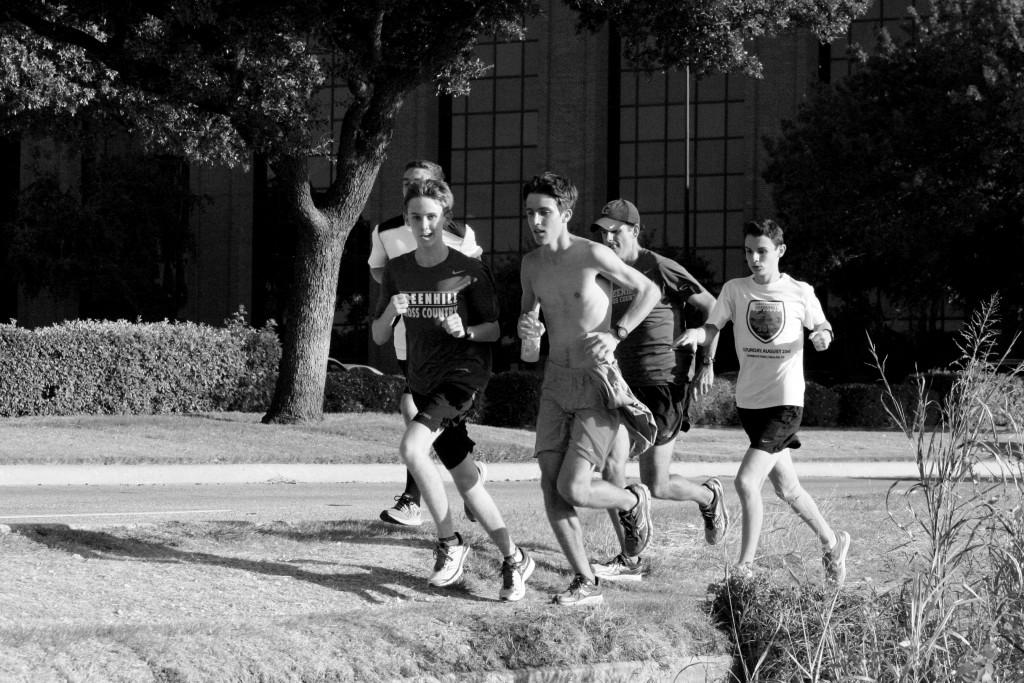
{"x": 434, "y": 169}
{"x": 558, "y": 187}
{"x": 764, "y": 228}
{"x": 437, "y": 190}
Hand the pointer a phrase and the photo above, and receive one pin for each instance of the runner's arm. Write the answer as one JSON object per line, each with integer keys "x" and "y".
{"x": 378, "y": 255}
{"x": 528, "y": 303}
{"x": 703, "y": 301}
{"x": 390, "y": 306}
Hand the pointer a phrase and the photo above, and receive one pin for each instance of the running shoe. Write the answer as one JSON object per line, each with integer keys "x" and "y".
{"x": 621, "y": 569}
{"x": 449, "y": 561}
{"x": 636, "y": 523}
{"x": 581, "y": 593}
{"x": 514, "y": 576}
{"x": 834, "y": 559}
{"x": 716, "y": 516}
{"x": 404, "y": 513}
{"x": 482, "y": 469}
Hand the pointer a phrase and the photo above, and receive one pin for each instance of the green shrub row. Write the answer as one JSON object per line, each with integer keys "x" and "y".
{"x": 511, "y": 399}
{"x": 94, "y": 367}
{"x": 360, "y": 391}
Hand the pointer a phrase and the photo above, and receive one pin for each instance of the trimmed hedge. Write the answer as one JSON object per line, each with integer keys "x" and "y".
{"x": 97, "y": 367}
{"x": 821, "y": 406}
{"x": 719, "y": 406}
{"x": 511, "y": 399}
{"x": 361, "y": 391}
{"x": 860, "y": 405}
{"x": 846, "y": 405}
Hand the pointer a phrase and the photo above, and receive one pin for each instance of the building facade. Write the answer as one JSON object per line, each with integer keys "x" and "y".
{"x": 687, "y": 151}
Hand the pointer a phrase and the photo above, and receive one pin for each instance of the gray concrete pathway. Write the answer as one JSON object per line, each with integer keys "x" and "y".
{"x": 102, "y": 475}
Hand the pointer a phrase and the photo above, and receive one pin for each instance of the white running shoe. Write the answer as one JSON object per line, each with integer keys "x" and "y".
{"x": 581, "y": 593}
{"x": 620, "y": 569}
{"x": 449, "y": 562}
{"x": 404, "y": 513}
{"x": 514, "y": 576}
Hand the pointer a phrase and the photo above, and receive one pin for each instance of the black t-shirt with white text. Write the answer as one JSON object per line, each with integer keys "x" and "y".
{"x": 646, "y": 356}
{"x": 459, "y": 284}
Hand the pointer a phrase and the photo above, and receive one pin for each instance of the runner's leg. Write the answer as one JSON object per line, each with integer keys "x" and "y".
{"x": 415, "y": 450}
{"x": 654, "y": 471}
{"x": 749, "y": 480}
{"x": 788, "y": 488}
{"x": 467, "y": 481}
{"x": 615, "y": 473}
{"x": 561, "y": 514}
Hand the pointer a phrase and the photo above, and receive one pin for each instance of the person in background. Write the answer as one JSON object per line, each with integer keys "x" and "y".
{"x": 389, "y": 240}
{"x": 648, "y": 361}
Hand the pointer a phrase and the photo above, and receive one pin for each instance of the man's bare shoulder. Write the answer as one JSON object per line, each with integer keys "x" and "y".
{"x": 586, "y": 252}
{"x": 583, "y": 244}
{"x": 530, "y": 261}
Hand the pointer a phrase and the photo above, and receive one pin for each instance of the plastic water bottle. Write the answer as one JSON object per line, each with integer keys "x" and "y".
{"x": 530, "y": 350}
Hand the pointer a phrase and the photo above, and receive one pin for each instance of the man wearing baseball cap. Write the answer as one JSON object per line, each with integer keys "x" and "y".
{"x": 649, "y": 364}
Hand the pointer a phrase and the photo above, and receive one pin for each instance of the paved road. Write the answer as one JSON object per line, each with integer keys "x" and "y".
{"x": 115, "y": 505}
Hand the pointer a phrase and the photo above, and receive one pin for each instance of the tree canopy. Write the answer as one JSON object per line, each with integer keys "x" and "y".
{"x": 218, "y": 81}
{"x": 907, "y": 177}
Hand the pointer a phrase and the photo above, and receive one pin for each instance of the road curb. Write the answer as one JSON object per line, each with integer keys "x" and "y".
{"x": 708, "y": 669}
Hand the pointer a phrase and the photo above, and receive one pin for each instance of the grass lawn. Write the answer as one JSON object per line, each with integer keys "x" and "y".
{"x": 347, "y": 599}
{"x": 341, "y": 438}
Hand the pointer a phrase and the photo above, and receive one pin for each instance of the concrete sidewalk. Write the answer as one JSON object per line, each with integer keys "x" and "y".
{"x": 114, "y": 475}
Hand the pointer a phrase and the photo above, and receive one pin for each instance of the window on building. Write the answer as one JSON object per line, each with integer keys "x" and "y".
{"x": 494, "y": 146}
{"x": 680, "y": 159}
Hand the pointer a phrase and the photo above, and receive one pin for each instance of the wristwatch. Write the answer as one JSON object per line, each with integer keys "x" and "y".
{"x": 707, "y": 360}
{"x": 469, "y": 334}
{"x": 620, "y": 332}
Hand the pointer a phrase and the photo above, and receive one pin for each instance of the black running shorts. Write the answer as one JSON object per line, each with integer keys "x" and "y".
{"x": 445, "y": 409}
{"x": 772, "y": 429}
{"x": 667, "y": 403}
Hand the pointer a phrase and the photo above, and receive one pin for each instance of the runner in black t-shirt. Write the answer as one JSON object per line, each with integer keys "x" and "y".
{"x": 450, "y": 310}
{"x": 389, "y": 240}
{"x": 659, "y": 379}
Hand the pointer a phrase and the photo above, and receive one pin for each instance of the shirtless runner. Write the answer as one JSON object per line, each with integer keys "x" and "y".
{"x": 567, "y": 277}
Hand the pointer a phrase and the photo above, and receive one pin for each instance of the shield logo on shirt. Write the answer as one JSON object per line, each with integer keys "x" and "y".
{"x": 765, "y": 319}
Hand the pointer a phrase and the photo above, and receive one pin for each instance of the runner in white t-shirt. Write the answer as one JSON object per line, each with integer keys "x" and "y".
{"x": 389, "y": 240}
{"x": 769, "y": 311}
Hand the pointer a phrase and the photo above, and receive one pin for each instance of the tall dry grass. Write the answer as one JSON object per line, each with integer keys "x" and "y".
{"x": 956, "y": 609}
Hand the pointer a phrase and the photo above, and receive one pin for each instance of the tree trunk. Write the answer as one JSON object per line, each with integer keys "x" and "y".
{"x": 299, "y": 394}
{"x": 306, "y": 338}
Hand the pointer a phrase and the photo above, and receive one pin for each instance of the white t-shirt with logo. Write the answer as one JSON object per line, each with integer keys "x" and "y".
{"x": 768, "y": 325}
{"x": 393, "y": 238}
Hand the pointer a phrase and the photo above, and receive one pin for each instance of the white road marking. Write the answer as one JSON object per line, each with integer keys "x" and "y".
{"x": 116, "y": 514}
